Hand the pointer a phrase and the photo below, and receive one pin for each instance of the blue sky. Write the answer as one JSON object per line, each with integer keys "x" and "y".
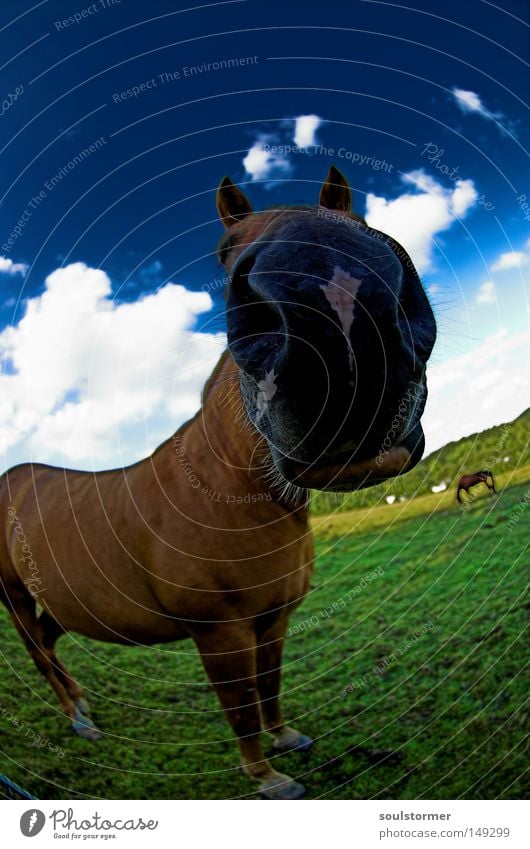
{"x": 118, "y": 121}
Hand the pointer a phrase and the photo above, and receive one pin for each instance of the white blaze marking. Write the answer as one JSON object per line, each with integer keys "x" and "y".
{"x": 341, "y": 292}
{"x": 266, "y": 390}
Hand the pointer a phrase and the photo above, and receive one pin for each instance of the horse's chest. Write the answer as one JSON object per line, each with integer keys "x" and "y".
{"x": 254, "y": 581}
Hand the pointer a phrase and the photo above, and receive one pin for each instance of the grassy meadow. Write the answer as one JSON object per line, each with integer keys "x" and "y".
{"x": 406, "y": 663}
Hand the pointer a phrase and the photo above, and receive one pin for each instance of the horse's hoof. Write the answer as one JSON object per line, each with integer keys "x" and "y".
{"x": 281, "y": 787}
{"x": 85, "y": 728}
{"x": 86, "y": 731}
{"x": 82, "y": 706}
{"x": 293, "y": 742}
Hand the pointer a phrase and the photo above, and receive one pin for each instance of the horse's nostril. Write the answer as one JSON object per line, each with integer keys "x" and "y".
{"x": 255, "y": 330}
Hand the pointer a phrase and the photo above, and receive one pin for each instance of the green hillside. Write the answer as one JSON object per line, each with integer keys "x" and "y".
{"x": 485, "y": 450}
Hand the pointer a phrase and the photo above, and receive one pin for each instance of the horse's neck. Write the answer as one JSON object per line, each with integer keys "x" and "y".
{"x": 220, "y": 453}
{"x": 224, "y": 426}
{"x": 218, "y": 447}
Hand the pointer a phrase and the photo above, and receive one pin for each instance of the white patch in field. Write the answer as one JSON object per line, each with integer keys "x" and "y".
{"x": 341, "y": 292}
{"x": 439, "y": 487}
{"x": 266, "y": 391}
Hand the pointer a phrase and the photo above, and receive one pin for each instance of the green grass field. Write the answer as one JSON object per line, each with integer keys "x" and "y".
{"x": 406, "y": 663}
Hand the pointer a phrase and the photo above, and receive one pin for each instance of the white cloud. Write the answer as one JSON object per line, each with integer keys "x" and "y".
{"x": 86, "y": 381}
{"x": 261, "y": 164}
{"x": 510, "y": 259}
{"x": 470, "y": 102}
{"x": 486, "y": 294}
{"x": 305, "y": 127}
{"x": 476, "y": 390}
{"x": 415, "y": 218}
{"x": 7, "y": 266}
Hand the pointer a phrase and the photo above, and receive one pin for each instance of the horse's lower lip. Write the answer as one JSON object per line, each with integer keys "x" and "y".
{"x": 354, "y": 475}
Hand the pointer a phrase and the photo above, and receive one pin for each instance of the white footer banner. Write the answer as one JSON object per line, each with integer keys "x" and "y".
{"x": 238, "y": 824}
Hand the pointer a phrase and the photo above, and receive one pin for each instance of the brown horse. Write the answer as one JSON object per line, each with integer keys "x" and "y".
{"x": 208, "y": 538}
{"x": 467, "y": 481}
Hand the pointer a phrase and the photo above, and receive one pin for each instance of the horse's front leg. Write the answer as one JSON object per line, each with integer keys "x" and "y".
{"x": 228, "y": 652}
{"x": 270, "y": 649}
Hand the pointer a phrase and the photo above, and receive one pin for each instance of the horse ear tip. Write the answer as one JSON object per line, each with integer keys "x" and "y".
{"x": 332, "y": 171}
{"x": 226, "y": 182}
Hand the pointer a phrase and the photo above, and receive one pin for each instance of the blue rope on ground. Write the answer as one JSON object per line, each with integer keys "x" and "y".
{"x": 10, "y": 790}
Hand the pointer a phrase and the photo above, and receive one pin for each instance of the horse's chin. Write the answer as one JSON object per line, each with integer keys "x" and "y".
{"x": 342, "y": 477}
{"x": 346, "y": 473}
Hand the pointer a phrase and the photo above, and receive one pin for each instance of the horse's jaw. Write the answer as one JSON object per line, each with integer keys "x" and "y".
{"x": 345, "y": 472}
{"x": 343, "y": 477}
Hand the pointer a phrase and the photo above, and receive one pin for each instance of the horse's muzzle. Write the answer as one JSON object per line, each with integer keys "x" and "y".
{"x": 331, "y": 337}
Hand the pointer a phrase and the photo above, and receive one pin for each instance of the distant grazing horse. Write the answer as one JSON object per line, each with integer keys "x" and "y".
{"x": 329, "y": 330}
{"x": 467, "y": 481}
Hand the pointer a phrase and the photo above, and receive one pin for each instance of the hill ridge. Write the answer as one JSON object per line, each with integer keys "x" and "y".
{"x": 488, "y": 448}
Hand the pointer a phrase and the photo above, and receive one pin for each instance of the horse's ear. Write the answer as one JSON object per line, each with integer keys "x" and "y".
{"x": 335, "y": 192}
{"x": 232, "y": 204}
